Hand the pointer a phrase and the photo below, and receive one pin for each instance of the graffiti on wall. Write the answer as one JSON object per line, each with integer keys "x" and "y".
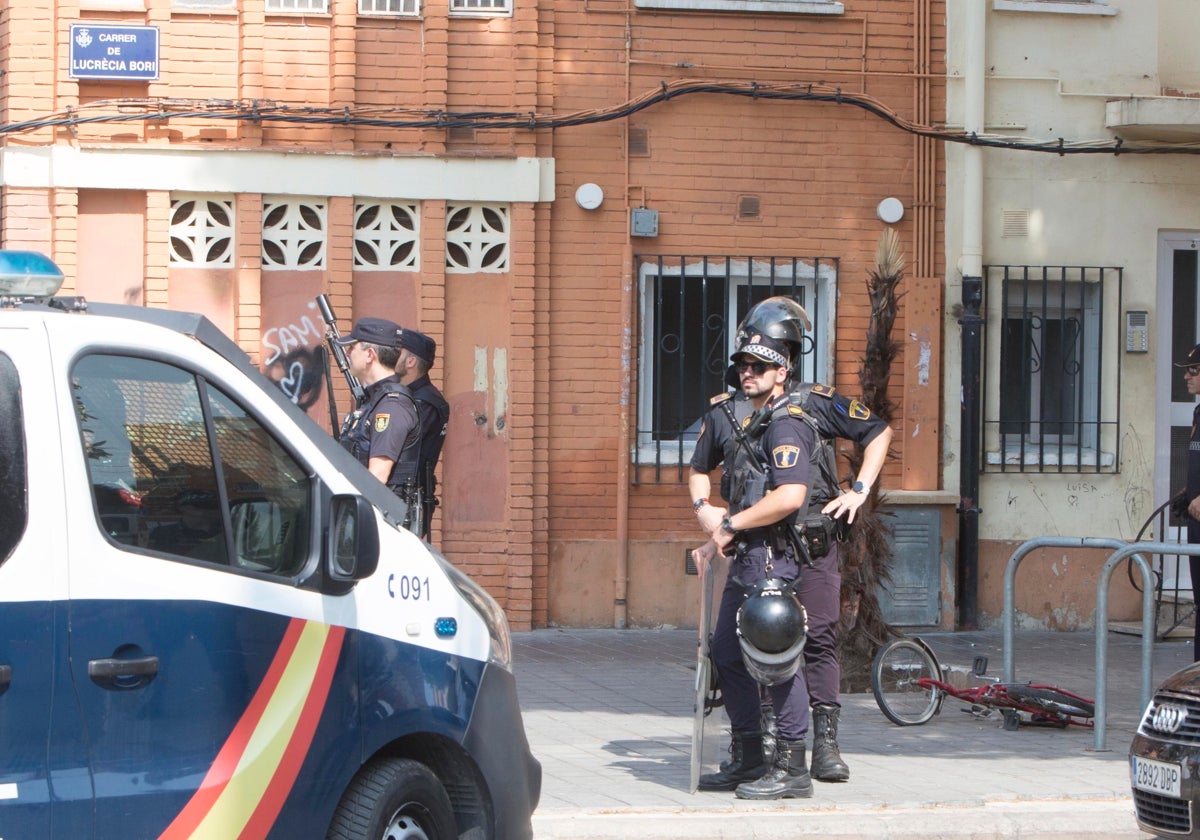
{"x": 293, "y": 358}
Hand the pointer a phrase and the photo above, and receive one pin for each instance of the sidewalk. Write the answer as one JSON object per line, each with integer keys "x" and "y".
{"x": 609, "y": 715}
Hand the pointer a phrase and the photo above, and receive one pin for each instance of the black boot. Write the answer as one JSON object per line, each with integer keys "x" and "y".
{"x": 769, "y": 732}
{"x": 827, "y": 764}
{"x": 745, "y": 763}
{"x": 788, "y": 779}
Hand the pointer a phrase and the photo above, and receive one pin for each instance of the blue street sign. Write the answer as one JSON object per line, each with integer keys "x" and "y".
{"x": 103, "y": 51}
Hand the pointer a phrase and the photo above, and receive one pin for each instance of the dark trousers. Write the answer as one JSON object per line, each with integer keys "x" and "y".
{"x": 1194, "y": 562}
{"x": 739, "y": 690}
{"x": 820, "y": 592}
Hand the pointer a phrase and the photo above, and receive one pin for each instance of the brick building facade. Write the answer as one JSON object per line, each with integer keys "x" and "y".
{"x": 424, "y": 162}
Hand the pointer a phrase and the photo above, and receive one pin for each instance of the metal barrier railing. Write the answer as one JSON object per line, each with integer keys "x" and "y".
{"x": 1122, "y": 550}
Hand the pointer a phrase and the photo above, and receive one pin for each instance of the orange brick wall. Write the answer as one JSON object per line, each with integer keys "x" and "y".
{"x": 535, "y": 507}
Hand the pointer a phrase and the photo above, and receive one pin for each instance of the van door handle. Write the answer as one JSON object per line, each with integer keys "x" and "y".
{"x": 5, "y": 677}
{"x": 123, "y": 674}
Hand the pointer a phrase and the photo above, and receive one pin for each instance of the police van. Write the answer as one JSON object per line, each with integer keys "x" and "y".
{"x": 211, "y": 623}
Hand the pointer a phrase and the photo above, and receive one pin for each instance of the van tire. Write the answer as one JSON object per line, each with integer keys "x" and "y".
{"x": 394, "y": 798}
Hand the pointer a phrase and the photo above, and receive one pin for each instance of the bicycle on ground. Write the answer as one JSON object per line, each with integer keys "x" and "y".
{"x": 909, "y": 686}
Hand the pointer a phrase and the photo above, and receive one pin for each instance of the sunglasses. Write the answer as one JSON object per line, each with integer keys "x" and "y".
{"x": 758, "y": 368}
{"x": 1194, "y": 370}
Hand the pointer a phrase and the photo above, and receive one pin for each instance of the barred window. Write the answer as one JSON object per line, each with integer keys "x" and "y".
{"x": 201, "y": 231}
{"x": 481, "y": 7}
{"x": 689, "y": 309}
{"x": 1054, "y": 403}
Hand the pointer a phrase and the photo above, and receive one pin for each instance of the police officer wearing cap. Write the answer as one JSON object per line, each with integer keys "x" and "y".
{"x": 1191, "y": 493}
{"x": 770, "y": 478}
{"x": 831, "y": 416}
{"x": 384, "y": 433}
{"x": 417, "y": 354}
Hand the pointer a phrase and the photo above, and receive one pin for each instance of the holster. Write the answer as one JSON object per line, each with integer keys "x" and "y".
{"x": 817, "y": 533}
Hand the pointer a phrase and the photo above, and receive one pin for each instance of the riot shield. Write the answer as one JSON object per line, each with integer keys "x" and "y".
{"x": 706, "y": 701}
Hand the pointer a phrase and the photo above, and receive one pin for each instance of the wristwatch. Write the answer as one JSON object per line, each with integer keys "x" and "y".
{"x": 699, "y": 503}
{"x": 727, "y": 526}
{"x": 859, "y": 487}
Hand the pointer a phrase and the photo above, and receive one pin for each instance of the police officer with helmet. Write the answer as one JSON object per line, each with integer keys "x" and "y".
{"x": 830, "y": 416}
{"x": 769, "y": 464}
{"x": 384, "y": 433}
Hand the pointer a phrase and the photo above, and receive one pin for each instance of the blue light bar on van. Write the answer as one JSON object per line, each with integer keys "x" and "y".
{"x": 446, "y": 628}
{"x": 28, "y": 275}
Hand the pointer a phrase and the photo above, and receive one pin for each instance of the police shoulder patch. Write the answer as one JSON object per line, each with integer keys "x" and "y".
{"x": 823, "y": 390}
{"x": 381, "y": 422}
{"x": 795, "y": 411}
{"x": 785, "y": 456}
{"x": 720, "y": 398}
{"x": 858, "y": 411}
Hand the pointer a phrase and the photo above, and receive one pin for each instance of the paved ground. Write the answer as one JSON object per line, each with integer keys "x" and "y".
{"x": 609, "y": 714}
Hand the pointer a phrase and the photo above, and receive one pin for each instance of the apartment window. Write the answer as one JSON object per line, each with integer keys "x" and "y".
{"x": 297, "y": 5}
{"x": 201, "y": 231}
{"x": 689, "y": 309}
{"x": 1054, "y": 407}
{"x": 482, "y": 8}
{"x": 388, "y": 7}
{"x": 784, "y": 7}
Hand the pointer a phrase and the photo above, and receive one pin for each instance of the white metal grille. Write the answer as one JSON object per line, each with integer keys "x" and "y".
{"x": 386, "y": 236}
{"x": 477, "y": 237}
{"x": 201, "y": 231}
{"x": 293, "y": 233}
{"x": 388, "y": 7}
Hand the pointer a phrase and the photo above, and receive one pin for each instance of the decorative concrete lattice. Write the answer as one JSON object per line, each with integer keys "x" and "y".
{"x": 293, "y": 234}
{"x": 201, "y": 232}
{"x": 477, "y": 238}
{"x": 386, "y": 236}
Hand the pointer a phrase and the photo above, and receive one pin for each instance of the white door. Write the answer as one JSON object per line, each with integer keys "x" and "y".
{"x": 1178, "y": 332}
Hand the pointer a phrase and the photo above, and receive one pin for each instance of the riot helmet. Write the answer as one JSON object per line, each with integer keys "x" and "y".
{"x": 780, "y": 318}
{"x": 772, "y": 627}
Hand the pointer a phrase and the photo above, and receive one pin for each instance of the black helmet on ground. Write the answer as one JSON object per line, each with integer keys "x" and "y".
{"x": 772, "y": 627}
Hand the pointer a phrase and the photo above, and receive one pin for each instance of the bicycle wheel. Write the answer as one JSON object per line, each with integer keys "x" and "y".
{"x": 1051, "y": 701}
{"x": 895, "y": 676}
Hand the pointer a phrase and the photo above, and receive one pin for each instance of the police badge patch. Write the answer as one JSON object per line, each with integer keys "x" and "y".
{"x": 858, "y": 411}
{"x": 381, "y": 422}
{"x": 785, "y": 456}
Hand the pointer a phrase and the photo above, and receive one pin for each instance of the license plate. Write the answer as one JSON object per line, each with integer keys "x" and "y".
{"x": 1156, "y": 776}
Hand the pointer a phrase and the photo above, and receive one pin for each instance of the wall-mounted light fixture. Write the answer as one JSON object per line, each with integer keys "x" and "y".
{"x": 890, "y": 210}
{"x": 589, "y": 196}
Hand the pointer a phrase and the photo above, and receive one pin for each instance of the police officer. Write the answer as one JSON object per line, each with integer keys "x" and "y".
{"x": 417, "y": 354}
{"x": 770, "y": 473}
{"x": 1190, "y": 515}
{"x": 831, "y": 416}
{"x": 384, "y": 432}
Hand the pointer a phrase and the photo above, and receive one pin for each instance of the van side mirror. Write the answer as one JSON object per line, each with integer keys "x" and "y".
{"x": 352, "y": 539}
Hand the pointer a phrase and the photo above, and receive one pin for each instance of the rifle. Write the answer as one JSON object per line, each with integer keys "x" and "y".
{"x": 339, "y": 354}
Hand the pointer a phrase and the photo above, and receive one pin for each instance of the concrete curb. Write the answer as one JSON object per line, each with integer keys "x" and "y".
{"x": 1074, "y": 819}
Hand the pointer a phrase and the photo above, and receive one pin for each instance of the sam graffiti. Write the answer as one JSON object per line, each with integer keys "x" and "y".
{"x": 293, "y": 358}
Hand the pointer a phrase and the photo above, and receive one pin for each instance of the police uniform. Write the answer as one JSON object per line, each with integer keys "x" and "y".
{"x": 1191, "y": 491}
{"x": 785, "y": 446}
{"x": 386, "y": 426}
{"x": 830, "y": 415}
{"x": 434, "y": 414}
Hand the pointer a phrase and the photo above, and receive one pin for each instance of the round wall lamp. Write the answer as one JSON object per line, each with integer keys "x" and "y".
{"x": 589, "y": 196}
{"x": 890, "y": 210}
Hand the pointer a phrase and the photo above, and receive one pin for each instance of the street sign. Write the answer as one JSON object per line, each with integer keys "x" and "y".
{"x": 103, "y": 51}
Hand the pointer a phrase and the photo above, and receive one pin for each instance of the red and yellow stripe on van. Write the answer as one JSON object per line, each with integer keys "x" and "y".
{"x": 253, "y": 773}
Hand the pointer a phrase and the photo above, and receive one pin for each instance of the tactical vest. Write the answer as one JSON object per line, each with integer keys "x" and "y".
{"x": 745, "y": 460}
{"x": 357, "y": 439}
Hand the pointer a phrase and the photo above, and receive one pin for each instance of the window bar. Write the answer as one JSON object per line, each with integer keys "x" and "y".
{"x": 1080, "y": 367}
{"x": 1063, "y": 360}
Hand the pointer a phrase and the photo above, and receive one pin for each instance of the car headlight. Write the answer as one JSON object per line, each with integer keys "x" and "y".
{"x": 484, "y": 604}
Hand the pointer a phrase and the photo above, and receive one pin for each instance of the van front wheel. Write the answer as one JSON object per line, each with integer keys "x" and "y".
{"x": 394, "y": 799}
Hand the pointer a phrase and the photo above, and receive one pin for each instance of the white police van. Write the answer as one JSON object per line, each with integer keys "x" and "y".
{"x": 211, "y": 625}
